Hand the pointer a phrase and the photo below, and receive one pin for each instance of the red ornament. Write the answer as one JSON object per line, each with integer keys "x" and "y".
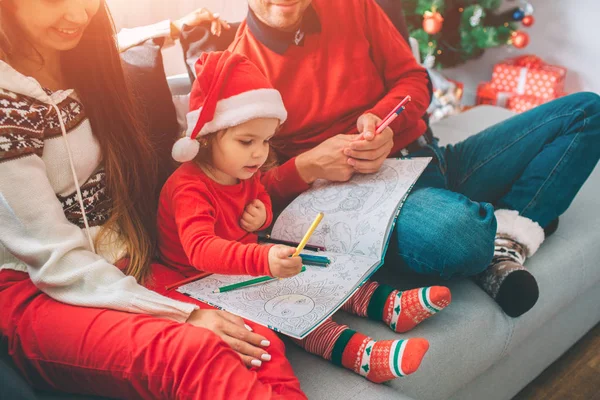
{"x": 520, "y": 39}
{"x": 432, "y": 22}
{"x": 528, "y": 20}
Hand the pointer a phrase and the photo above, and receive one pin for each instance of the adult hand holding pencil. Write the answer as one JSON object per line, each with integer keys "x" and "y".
{"x": 367, "y": 152}
{"x": 394, "y": 113}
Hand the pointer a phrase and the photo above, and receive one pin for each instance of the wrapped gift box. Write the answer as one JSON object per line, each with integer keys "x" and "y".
{"x": 522, "y": 83}
{"x": 487, "y": 94}
{"x": 529, "y": 75}
{"x": 522, "y": 103}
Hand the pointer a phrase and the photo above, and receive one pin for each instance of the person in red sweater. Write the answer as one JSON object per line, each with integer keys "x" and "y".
{"x": 212, "y": 206}
{"x": 481, "y": 207}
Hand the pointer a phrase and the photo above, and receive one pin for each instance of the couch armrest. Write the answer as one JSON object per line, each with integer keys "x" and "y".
{"x": 179, "y": 84}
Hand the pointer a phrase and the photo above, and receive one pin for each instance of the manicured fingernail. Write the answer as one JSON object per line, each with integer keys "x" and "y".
{"x": 266, "y": 357}
{"x": 265, "y": 343}
{"x": 347, "y": 152}
{"x": 256, "y": 363}
{"x": 351, "y": 161}
{"x": 248, "y": 327}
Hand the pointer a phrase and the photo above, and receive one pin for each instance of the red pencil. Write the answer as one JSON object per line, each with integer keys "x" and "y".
{"x": 188, "y": 280}
{"x": 394, "y": 111}
{"x": 390, "y": 117}
{"x": 388, "y": 121}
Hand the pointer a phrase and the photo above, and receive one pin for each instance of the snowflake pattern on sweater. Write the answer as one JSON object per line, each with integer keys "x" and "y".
{"x": 95, "y": 200}
{"x": 26, "y": 123}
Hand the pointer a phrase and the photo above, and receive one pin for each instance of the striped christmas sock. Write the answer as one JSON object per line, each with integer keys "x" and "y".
{"x": 378, "y": 361}
{"x": 401, "y": 311}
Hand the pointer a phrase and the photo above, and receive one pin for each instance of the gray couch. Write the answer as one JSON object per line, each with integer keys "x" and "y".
{"x": 476, "y": 351}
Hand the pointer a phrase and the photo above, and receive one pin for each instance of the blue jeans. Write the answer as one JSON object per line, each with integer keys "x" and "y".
{"x": 534, "y": 163}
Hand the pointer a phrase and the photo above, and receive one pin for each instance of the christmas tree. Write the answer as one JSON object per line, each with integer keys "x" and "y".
{"x": 451, "y": 32}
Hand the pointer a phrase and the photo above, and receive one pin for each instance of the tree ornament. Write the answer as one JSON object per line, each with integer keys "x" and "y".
{"x": 520, "y": 39}
{"x": 429, "y": 61}
{"x": 526, "y": 7}
{"x": 476, "y": 18}
{"x": 432, "y": 22}
{"x": 518, "y": 15}
{"x": 528, "y": 20}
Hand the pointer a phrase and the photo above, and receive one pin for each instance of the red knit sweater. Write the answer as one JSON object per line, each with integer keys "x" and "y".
{"x": 199, "y": 224}
{"x": 357, "y": 63}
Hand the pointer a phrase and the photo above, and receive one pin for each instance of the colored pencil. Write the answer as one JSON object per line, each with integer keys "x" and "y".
{"x": 310, "y": 247}
{"x": 390, "y": 117}
{"x": 397, "y": 110}
{"x": 310, "y": 259}
{"x": 388, "y": 121}
{"x": 188, "y": 280}
{"x": 247, "y": 283}
{"x": 308, "y": 234}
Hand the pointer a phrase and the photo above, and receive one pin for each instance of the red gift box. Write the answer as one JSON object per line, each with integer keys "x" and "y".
{"x": 522, "y": 103}
{"x": 487, "y": 94}
{"x": 529, "y": 75}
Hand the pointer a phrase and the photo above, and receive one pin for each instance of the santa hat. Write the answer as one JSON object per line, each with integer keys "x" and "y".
{"x": 229, "y": 91}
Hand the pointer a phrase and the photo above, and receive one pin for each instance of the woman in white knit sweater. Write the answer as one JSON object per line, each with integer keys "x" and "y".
{"x": 77, "y": 178}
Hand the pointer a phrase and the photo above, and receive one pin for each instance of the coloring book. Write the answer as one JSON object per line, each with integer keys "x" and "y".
{"x": 359, "y": 218}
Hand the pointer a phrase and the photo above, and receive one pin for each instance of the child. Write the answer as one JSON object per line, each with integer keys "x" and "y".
{"x": 212, "y": 205}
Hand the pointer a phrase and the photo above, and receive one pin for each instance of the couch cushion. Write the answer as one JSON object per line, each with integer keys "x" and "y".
{"x": 473, "y": 334}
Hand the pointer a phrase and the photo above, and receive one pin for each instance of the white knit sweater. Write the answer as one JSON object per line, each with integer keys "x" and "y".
{"x": 41, "y": 226}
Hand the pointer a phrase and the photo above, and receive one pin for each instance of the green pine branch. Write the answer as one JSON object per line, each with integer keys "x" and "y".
{"x": 466, "y": 32}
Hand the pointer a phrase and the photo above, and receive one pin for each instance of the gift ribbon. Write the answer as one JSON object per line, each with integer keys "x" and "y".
{"x": 528, "y": 61}
{"x": 502, "y": 98}
{"x": 522, "y": 80}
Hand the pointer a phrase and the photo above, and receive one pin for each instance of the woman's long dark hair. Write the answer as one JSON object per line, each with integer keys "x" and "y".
{"x": 94, "y": 70}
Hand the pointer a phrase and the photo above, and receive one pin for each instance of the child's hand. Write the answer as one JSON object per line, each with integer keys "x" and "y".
{"x": 254, "y": 216}
{"x": 281, "y": 263}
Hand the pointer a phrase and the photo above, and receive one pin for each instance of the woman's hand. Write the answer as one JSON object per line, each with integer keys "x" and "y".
{"x": 235, "y": 333}
{"x": 201, "y": 16}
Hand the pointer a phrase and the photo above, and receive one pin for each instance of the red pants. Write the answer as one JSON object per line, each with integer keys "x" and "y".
{"x": 131, "y": 356}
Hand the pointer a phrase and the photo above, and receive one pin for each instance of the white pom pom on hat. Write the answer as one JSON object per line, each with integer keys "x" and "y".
{"x": 185, "y": 149}
{"x": 229, "y": 91}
